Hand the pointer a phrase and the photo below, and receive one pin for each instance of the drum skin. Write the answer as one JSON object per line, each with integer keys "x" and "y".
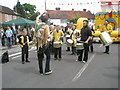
{"x": 68, "y": 43}
{"x": 80, "y": 23}
{"x": 105, "y": 38}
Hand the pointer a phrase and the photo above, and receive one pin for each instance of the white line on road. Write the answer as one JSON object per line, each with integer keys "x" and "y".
{"x": 32, "y": 48}
{"x": 101, "y": 45}
{"x": 83, "y": 68}
{"x": 16, "y": 57}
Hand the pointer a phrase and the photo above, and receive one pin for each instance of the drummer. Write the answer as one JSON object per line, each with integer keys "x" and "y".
{"x": 86, "y": 36}
{"x": 107, "y": 27}
{"x": 69, "y": 32}
{"x": 52, "y": 28}
{"x": 57, "y": 37}
{"x": 74, "y": 36}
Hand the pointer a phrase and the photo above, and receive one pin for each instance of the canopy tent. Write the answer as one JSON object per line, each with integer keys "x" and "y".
{"x": 19, "y": 21}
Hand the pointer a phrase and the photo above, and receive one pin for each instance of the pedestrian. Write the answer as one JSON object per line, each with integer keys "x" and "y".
{"x": 91, "y": 41}
{"x": 9, "y": 35}
{"x": 57, "y": 37}
{"x": 74, "y": 36}
{"x": 19, "y": 31}
{"x": 52, "y": 28}
{"x": 107, "y": 27}
{"x": 24, "y": 44}
{"x": 41, "y": 41}
{"x": 2, "y": 33}
{"x": 14, "y": 37}
{"x": 86, "y": 36}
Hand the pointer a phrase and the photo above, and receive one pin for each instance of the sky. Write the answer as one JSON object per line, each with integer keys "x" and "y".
{"x": 92, "y": 5}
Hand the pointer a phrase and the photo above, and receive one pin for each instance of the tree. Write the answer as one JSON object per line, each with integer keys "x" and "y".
{"x": 27, "y": 10}
{"x": 30, "y": 11}
{"x": 20, "y": 9}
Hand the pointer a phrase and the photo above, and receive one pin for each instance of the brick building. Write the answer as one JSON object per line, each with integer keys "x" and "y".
{"x": 6, "y": 14}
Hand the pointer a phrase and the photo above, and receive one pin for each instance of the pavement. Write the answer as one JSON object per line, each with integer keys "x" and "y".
{"x": 101, "y": 70}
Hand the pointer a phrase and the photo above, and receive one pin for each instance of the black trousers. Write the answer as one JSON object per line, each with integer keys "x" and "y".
{"x": 73, "y": 50}
{"x": 24, "y": 53}
{"x": 40, "y": 60}
{"x": 56, "y": 52}
{"x": 107, "y": 48}
{"x": 85, "y": 51}
{"x": 91, "y": 47}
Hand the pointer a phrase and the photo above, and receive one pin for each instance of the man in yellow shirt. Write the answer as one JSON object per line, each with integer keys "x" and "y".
{"x": 107, "y": 27}
{"x": 57, "y": 37}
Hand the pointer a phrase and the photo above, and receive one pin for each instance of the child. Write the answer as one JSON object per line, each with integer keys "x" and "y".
{"x": 24, "y": 44}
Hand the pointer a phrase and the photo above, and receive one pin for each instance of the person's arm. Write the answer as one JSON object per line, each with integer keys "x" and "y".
{"x": 90, "y": 36}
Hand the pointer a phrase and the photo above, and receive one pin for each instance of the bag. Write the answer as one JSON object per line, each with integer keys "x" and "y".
{"x": 5, "y": 58}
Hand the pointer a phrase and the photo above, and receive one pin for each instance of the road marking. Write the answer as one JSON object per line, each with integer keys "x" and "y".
{"x": 16, "y": 57}
{"x": 83, "y": 68}
{"x": 101, "y": 45}
{"x": 32, "y": 48}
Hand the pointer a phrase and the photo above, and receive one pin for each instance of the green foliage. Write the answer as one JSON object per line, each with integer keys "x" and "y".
{"x": 27, "y": 10}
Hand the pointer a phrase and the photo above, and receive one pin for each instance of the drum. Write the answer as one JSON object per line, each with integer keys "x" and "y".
{"x": 69, "y": 42}
{"x": 105, "y": 38}
{"x": 67, "y": 36}
{"x": 79, "y": 46}
{"x": 57, "y": 44}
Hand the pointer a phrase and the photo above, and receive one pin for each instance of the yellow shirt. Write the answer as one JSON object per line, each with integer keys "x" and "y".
{"x": 108, "y": 28}
{"x": 57, "y": 35}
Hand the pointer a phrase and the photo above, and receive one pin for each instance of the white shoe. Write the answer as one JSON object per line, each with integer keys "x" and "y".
{"x": 47, "y": 73}
{"x": 84, "y": 61}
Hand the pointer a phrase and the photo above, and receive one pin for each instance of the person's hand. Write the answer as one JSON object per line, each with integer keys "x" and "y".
{"x": 86, "y": 42}
{"x": 23, "y": 43}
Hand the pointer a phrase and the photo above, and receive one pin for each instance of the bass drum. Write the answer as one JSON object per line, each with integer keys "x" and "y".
{"x": 79, "y": 46}
{"x": 105, "y": 38}
{"x": 57, "y": 44}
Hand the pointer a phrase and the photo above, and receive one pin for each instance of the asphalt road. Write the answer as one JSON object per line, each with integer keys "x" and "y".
{"x": 101, "y": 71}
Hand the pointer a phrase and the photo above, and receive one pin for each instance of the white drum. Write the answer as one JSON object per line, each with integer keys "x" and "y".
{"x": 57, "y": 44}
{"x": 69, "y": 42}
{"x": 79, "y": 46}
{"x": 48, "y": 39}
{"x": 105, "y": 38}
{"x": 67, "y": 36}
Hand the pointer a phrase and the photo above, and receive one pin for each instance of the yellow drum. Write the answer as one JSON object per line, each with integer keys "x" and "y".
{"x": 69, "y": 42}
{"x": 79, "y": 46}
{"x": 57, "y": 44}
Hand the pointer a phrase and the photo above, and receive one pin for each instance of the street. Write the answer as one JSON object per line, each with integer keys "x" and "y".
{"x": 101, "y": 70}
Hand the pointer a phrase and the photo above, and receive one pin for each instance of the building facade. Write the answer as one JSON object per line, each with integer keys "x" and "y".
{"x": 6, "y": 14}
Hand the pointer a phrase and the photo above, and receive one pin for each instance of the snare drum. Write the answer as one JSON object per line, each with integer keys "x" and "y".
{"x": 79, "y": 46}
{"x": 57, "y": 44}
{"x": 69, "y": 42}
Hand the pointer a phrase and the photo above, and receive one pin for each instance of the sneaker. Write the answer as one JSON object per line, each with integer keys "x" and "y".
{"x": 27, "y": 61}
{"x": 84, "y": 61}
{"x": 47, "y": 73}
